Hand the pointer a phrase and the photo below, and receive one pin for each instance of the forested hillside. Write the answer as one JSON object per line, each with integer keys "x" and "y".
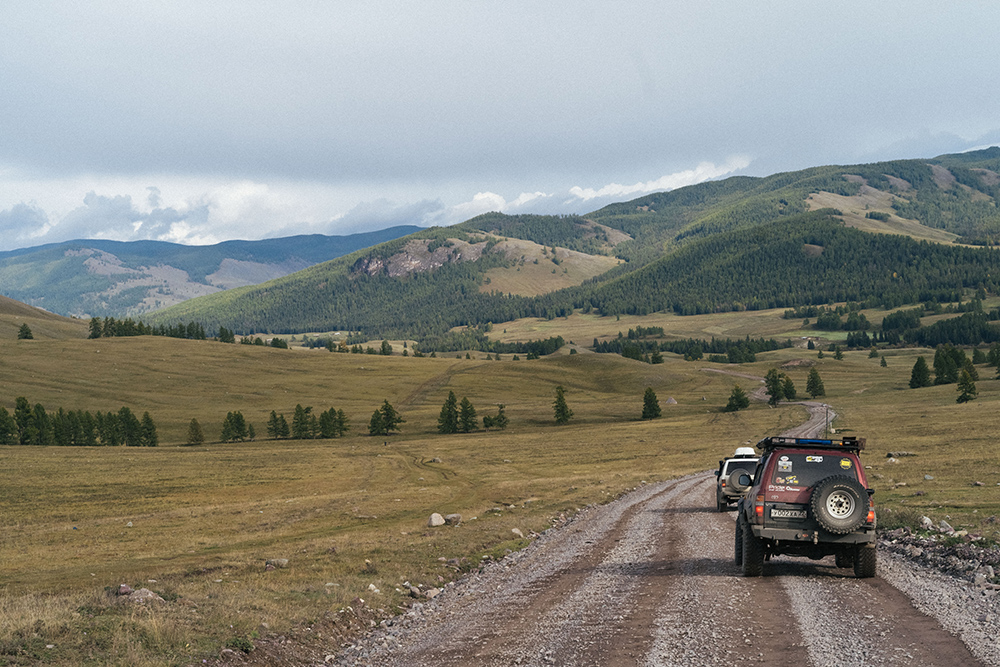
{"x": 740, "y": 243}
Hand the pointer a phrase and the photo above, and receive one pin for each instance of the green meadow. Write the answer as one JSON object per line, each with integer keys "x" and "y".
{"x": 196, "y": 524}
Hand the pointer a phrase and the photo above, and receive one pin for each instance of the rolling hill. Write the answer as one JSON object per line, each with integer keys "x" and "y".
{"x": 99, "y": 278}
{"x": 739, "y": 243}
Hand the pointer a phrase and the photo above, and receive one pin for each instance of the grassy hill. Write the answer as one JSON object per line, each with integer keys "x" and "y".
{"x": 195, "y": 524}
{"x": 43, "y": 324}
{"x": 732, "y": 244}
{"x": 100, "y": 278}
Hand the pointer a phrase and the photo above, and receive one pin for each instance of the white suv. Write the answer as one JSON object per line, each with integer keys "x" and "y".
{"x": 727, "y": 487}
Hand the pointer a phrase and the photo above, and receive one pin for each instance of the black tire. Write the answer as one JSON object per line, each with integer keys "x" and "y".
{"x": 865, "y": 561}
{"x": 720, "y": 503}
{"x": 845, "y": 559}
{"x": 733, "y": 481}
{"x": 753, "y": 554}
{"x": 839, "y": 504}
{"x": 738, "y": 547}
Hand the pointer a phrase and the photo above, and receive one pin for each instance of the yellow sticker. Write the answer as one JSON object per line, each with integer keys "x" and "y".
{"x": 845, "y": 464}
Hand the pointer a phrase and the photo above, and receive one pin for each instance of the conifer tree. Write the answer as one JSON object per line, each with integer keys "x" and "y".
{"x": 24, "y": 333}
{"x": 738, "y": 400}
{"x": 966, "y": 387}
{"x": 650, "y": 405}
{"x": 148, "y": 437}
{"x": 788, "y": 387}
{"x": 448, "y": 419}
{"x": 562, "y": 411}
{"x": 883, "y": 363}
{"x": 814, "y": 385}
{"x": 466, "y": 416}
{"x": 195, "y": 436}
{"x": 774, "y": 386}
{"x": 920, "y": 376}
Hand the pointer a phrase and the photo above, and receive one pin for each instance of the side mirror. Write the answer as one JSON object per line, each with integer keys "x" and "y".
{"x": 745, "y": 480}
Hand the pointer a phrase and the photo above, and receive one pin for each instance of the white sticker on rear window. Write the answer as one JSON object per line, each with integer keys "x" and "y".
{"x": 785, "y": 466}
{"x": 814, "y": 459}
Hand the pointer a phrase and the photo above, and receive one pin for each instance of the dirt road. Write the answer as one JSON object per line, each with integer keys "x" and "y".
{"x": 650, "y": 580}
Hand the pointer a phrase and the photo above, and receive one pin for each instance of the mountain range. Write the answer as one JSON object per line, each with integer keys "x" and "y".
{"x": 97, "y": 278}
{"x": 884, "y": 234}
{"x": 881, "y": 234}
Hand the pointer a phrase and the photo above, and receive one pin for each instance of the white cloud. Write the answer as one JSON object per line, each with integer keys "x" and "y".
{"x": 705, "y": 171}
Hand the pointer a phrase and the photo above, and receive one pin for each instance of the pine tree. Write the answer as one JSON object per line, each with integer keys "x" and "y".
{"x": 466, "y": 416}
{"x": 966, "y": 387}
{"x": 920, "y": 376}
{"x": 195, "y": 436}
{"x": 448, "y": 419}
{"x": 738, "y": 400}
{"x": 96, "y": 330}
{"x": 872, "y": 353}
{"x": 301, "y": 422}
{"x": 838, "y": 353}
{"x": 273, "y": 426}
{"x": 562, "y": 411}
{"x": 883, "y": 363}
{"x": 788, "y": 387}
{"x": 148, "y": 437}
{"x": 8, "y": 428}
{"x": 814, "y": 385}
{"x": 774, "y": 386}
{"x": 385, "y": 420}
{"x": 650, "y": 405}
{"x": 24, "y": 333}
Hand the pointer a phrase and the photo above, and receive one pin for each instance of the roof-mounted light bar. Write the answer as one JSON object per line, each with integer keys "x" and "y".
{"x": 849, "y": 442}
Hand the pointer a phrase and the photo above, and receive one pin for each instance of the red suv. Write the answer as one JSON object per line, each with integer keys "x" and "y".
{"x": 809, "y": 497}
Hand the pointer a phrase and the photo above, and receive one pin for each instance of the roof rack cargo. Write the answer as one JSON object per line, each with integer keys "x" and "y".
{"x": 773, "y": 442}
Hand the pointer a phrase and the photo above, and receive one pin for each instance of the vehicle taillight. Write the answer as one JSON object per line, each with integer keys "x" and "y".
{"x": 723, "y": 483}
{"x": 758, "y": 508}
{"x": 871, "y": 511}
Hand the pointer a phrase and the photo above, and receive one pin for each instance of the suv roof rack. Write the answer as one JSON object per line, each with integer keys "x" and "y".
{"x": 774, "y": 442}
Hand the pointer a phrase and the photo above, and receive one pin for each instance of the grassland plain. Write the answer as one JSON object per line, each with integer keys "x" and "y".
{"x": 351, "y": 513}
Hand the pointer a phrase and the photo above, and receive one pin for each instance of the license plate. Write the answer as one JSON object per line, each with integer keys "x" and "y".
{"x": 787, "y": 514}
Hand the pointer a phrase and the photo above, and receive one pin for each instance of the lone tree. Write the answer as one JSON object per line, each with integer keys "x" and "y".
{"x": 650, "y": 405}
{"x": 920, "y": 376}
{"x": 385, "y": 420}
{"x": 966, "y": 387}
{"x": 195, "y": 435}
{"x": 883, "y": 363}
{"x": 562, "y": 411}
{"x": 24, "y": 333}
{"x": 814, "y": 385}
{"x": 448, "y": 419}
{"x": 738, "y": 400}
{"x": 466, "y": 416}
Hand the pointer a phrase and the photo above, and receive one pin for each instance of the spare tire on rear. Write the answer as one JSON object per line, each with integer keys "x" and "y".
{"x": 839, "y": 504}
{"x": 733, "y": 481}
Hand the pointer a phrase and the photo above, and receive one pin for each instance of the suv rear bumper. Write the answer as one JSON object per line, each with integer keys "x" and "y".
{"x": 862, "y": 536}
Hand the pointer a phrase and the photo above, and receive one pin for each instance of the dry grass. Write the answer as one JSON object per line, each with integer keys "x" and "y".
{"x": 204, "y": 519}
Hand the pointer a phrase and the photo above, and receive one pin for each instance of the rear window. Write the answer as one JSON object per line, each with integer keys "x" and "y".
{"x": 745, "y": 464}
{"x": 799, "y": 469}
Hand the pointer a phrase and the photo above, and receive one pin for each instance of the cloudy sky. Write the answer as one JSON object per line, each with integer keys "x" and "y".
{"x": 197, "y": 122}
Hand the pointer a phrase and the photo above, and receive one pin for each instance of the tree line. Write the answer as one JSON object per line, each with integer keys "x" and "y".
{"x": 34, "y": 425}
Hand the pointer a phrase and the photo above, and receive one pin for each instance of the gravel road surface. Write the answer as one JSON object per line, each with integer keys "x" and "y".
{"x": 650, "y": 580}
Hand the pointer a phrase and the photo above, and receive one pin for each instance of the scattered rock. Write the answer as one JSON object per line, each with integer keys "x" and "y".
{"x": 892, "y": 460}
{"x": 276, "y": 562}
{"x": 432, "y": 593}
{"x": 926, "y": 523}
{"x": 453, "y": 519}
{"x": 671, "y": 401}
{"x": 144, "y": 595}
{"x": 435, "y": 460}
{"x": 124, "y": 589}
{"x": 517, "y": 531}
{"x": 978, "y": 484}
{"x": 898, "y": 455}
{"x": 945, "y": 527}
{"x": 928, "y": 477}
{"x": 435, "y": 520}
